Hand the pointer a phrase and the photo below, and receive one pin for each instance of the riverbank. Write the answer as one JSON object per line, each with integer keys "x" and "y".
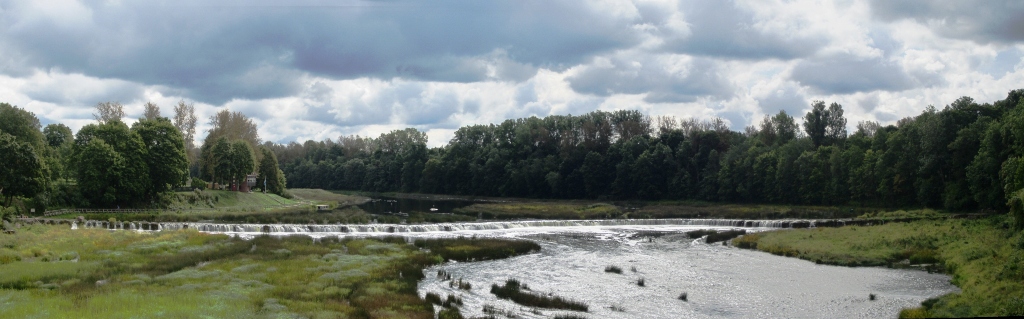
{"x": 53, "y": 271}
{"x": 984, "y": 256}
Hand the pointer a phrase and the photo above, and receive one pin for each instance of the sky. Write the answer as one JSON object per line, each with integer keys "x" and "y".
{"x": 320, "y": 69}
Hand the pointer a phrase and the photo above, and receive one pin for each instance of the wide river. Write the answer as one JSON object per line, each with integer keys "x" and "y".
{"x": 720, "y": 281}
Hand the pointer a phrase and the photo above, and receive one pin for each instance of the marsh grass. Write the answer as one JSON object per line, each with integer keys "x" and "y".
{"x": 95, "y": 273}
{"x": 980, "y": 255}
{"x": 475, "y": 249}
{"x": 518, "y": 293}
{"x": 613, "y": 269}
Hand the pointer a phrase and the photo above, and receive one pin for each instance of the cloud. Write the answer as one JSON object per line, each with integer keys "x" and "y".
{"x": 785, "y": 97}
{"x": 994, "y": 21}
{"x": 663, "y": 78}
{"x": 844, "y": 74}
{"x": 724, "y": 29}
{"x": 254, "y": 50}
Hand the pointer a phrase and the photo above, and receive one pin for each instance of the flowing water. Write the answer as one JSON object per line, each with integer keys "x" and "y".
{"x": 720, "y": 281}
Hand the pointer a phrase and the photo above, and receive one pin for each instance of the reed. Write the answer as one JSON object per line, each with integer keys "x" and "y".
{"x": 613, "y": 269}
{"x": 514, "y": 290}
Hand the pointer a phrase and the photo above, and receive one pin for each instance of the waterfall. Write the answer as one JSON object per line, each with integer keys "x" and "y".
{"x": 452, "y": 227}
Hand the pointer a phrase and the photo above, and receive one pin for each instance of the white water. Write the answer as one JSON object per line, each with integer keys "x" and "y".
{"x": 721, "y": 282}
{"x": 373, "y": 229}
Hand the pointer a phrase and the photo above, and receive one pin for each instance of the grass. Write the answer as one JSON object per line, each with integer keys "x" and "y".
{"x": 541, "y": 210}
{"x": 683, "y": 296}
{"x": 613, "y": 269}
{"x": 568, "y": 209}
{"x": 984, "y": 256}
{"x": 320, "y": 195}
{"x": 518, "y": 293}
{"x": 476, "y": 249}
{"x": 53, "y": 271}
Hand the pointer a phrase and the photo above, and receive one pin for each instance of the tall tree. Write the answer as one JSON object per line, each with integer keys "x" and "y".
{"x": 21, "y": 124}
{"x": 835, "y": 129}
{"x": 108, "y": 111}
{"x": 232, "y": 126}
{"x": 130, "y": 180}
{"x": 816, "y": 123}
{"x": 165, "y": 154}
{"x": 21, "y": 171}
{"x": 220, "y": 161}
{"x": 57, "y": 135}
{"x": 100, "y": 171}
{"x": 242, "y": 161}
{"x": 270, "y": 176}
{"x": 150, "y": 111}
{"x": 185, "y": 120}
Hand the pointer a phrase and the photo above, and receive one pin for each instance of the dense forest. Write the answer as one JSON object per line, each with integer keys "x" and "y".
{"x": 965, "y": 156}
{"x": 108, "y": 164}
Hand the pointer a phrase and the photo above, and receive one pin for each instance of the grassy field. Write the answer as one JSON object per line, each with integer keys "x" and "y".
{"x": 320, "y": 195}
{"x": 665, "y": 209}
{"x": 55, "y": 272}
{"x": 984, "y": 257}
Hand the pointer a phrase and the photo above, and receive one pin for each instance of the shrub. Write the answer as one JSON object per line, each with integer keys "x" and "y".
{"x": 513, "y": 290}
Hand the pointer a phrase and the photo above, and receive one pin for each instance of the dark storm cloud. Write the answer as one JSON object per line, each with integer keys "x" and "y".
{"x": 656, "y": 77}
{"x": 994, "y": 21}
{"x": 844, "y": 74}
{"x": 721, "y": 29}
{"x": 254, "y": 50}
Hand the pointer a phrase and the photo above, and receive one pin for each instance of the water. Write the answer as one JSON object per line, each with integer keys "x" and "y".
{"x": 390, "y": 205}
{"x": 466, "y": 228}
{"x": 720, "y": 282}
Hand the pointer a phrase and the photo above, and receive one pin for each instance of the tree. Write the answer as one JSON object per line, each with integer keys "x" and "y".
{"x": 816, "y": 123}
{"x": 22, "y": 125}
{"x": 165, "y": 154}
{"x": 100, "y": 171}
{"x": 21, "y": 172}
{"x": 242, "y": 161}
{"x": 232, "y": 126}
{"x": 108, "y": 111}
{"x": 220, "y": 164}
{"x": 185, "y": 120}
{"x": 129, "y": 180}
{"x": 835, "y": 128}
{"x": 270, "y": 176}
{"x": 150, "y": 111}
{"x": 58, "y": 135}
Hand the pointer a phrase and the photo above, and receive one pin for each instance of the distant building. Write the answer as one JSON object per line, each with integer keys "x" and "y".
{"x": 250, "y": 181}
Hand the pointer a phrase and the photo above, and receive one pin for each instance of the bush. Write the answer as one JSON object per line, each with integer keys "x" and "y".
{"x": 513, "y": 290}
{"x": 614, "y": 269}
{"x": 198, "y": 184}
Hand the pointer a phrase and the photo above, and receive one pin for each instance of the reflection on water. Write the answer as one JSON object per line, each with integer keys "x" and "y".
{"x": 390, "y": 205}
{"x": 720, "y": 281}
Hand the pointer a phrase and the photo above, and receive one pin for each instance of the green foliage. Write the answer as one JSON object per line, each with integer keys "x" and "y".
{"x": 21, "y": 173}
{"x": 22, "y": 125}
{"x": 269, "y": 175}
{"x": 242, "y": 161}
{"x": 165, "y": 154}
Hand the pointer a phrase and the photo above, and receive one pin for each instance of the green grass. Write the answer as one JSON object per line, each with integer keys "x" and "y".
{"x": 541, "y": 210}
{"x": 328, "y": 197}
{"x": 519, "y": 293}
{"x": 985, "y": 257}
{"x": 57, "y": 272}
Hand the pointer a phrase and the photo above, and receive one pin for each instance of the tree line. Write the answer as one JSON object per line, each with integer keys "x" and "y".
{"x": 965, "y": 156}
{"x": 109, "y": 164}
